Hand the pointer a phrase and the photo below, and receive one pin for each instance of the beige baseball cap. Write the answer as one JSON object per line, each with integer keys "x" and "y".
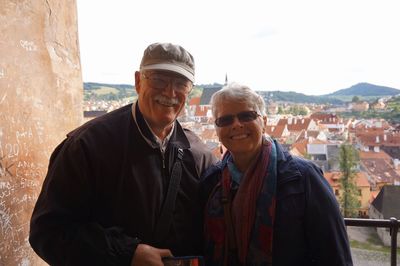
{"x": 168, "y": 56}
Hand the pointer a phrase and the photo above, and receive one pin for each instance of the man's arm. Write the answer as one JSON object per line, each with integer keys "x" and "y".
{"x": 325, "y": 230}
{"x": 62, "y": 229}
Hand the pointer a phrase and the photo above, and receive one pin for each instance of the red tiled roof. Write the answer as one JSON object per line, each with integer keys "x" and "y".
{"x": 310, "y": 133}
{"x": 333, "y": 179}
{"x": 370, "y": 125}
{"x": 313, "y": 133}
{"x": 374, "y": 155}
{"x": 300, "y": 146}
{"x": 325, "y": 118}
{"x": 296, "y": 124}
{"x": 378, "y": 138}
{"x": 194, "y": 101}
{"x": 362, "y": 180}
{"x": 379, "y": 167}
{"x": 294, "y": 151}
{"x": 275, "y": 131}
{"x": 201, "y": 111}
{"x": 373, "y": 195}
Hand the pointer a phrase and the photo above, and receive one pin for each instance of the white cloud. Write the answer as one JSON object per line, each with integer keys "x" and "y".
{"x": 309, "y": 46}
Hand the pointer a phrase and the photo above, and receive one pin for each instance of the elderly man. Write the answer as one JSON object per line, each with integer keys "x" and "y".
{"x": 123, "y": 188}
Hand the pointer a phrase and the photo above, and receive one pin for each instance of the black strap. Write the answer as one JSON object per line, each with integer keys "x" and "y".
{"x": 164, "y": 222}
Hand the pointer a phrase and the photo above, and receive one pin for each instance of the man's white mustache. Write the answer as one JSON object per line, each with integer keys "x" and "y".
{"x": 167, "y": 101}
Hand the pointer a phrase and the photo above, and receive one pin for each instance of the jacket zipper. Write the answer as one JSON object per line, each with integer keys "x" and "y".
{"x": 163, "y": 159}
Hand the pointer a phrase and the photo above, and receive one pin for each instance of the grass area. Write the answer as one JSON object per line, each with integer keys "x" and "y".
{"x": 374, "y": 239}
{"x": 372, "y": 247}
{"x": 372, "y": 243}
{"x": 369, "y": 246}
{"x": 105, "y": 90}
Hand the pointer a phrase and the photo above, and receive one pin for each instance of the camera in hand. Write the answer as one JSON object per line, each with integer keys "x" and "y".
{"x": 183, "y": 261}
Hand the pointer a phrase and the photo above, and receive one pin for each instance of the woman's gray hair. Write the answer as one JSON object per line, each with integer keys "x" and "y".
{"x": 238, "y": 93}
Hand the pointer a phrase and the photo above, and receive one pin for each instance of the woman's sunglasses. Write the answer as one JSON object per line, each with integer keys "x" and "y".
{"x": 227, "y": 120}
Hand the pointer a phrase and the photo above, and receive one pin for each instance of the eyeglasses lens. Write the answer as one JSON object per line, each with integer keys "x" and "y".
{"x": 247, "y": 116}
{"x": 160, "y": 82}
{"x": 227, "y": 120}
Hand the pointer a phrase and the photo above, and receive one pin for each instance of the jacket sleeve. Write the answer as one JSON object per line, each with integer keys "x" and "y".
{"x": 62, "y": 231}
{"x": 324, "y": 225}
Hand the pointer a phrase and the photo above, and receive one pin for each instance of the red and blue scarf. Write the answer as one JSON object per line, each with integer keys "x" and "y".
{"x": 252, "y": 213}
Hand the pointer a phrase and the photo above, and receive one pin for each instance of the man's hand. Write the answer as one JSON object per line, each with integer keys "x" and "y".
{"x": 150, "y": 256}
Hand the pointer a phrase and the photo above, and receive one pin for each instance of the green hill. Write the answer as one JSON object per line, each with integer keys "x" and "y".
{"x": 291, "y": 96}
{"x": 94, "y": 86}
{"x": 107, "y": 92}
{"x": 366, "y": 89}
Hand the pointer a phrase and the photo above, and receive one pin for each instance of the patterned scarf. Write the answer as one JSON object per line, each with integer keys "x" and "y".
{"x": 252, "y": 212}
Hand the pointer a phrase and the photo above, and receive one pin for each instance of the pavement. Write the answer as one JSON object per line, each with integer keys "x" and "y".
{"x": 363, "y": 257}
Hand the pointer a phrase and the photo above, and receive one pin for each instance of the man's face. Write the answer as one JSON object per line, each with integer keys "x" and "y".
{"x": 161, "y": 95}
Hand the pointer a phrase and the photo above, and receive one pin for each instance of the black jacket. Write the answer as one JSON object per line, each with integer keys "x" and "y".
{"x": 104, "y": 190}
{"x": 309, "y": 228}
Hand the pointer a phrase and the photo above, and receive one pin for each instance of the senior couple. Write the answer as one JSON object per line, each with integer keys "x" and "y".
{"x": 133, "y": 187}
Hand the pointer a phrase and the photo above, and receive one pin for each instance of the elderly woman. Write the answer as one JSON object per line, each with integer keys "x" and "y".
{"x": 263, "y": 206}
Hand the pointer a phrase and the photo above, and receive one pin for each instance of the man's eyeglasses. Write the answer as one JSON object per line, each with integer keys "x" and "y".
{"x": 160, "y": 82}
{"x": 227, "y": 120}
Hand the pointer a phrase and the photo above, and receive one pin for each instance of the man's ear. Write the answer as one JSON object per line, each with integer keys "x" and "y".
{"x": 137, "y": 82}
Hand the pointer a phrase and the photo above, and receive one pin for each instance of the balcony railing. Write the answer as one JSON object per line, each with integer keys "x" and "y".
{"x": 392, "y": 223}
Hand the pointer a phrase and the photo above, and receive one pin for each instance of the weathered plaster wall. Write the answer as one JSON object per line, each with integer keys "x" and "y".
{"x": 40, "y": 101}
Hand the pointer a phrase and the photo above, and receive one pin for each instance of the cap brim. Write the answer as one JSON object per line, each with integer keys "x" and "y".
{"x": 170, "y": 67}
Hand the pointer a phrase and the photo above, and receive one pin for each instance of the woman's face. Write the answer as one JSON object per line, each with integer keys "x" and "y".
{"x": 240, "y": 138}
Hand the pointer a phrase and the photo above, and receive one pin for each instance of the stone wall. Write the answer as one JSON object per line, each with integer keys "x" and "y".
{"x": 40, "y": 101}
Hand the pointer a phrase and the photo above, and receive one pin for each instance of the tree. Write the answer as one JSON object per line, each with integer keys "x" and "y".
{"x": 355, "y": 99}
{"x": 348, "y": 161}
{"x": 303, "y": 110}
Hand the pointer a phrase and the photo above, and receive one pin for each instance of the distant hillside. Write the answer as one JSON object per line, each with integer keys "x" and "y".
{"x": 94, "y": 86}
{"x": 108, "y": 92}
{"x": 295, "y": 97}
{"x": 366, "y": 89}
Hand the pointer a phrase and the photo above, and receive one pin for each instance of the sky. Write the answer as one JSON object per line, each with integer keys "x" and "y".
{"x": 313, "y": 47}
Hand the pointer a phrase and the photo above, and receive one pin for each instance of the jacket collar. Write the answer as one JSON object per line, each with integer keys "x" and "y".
{"x": 287, "y": 167}
{"x": 177, "y": 137}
